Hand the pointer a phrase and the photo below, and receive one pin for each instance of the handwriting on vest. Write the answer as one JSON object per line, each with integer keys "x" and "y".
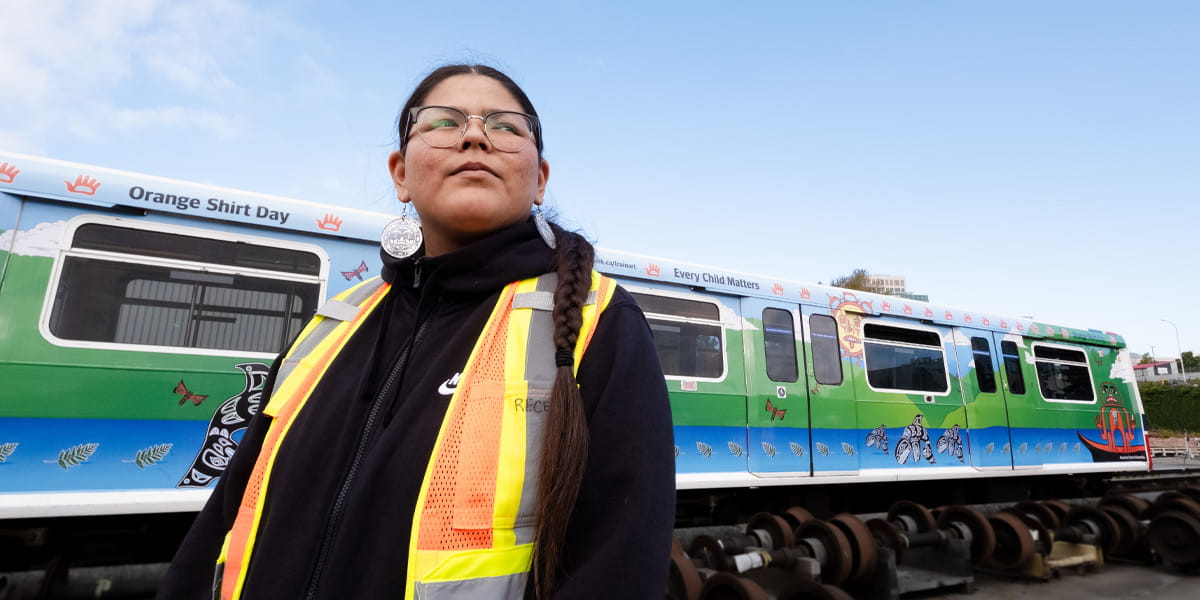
{"x": 534, "y": 405}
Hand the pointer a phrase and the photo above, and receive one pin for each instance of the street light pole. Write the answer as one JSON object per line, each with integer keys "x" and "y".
{"x": 1182, "y": 369}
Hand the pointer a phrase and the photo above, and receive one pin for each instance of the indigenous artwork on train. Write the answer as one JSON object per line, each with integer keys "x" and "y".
{"x": 848, "y": 311}
{"x": 1116, "y": 428}
{"x": 229, "y": 420}
{"x": 138, "y": 316}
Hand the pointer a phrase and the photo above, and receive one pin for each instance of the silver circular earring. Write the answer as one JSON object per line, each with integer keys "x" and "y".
{"x": 401, "y": 237}
{"x": 543, "y": 227}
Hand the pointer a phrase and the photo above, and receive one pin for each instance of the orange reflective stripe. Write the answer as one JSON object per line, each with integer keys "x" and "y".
{"x": 245, "y": 526}
{"x": 463, "y": 474}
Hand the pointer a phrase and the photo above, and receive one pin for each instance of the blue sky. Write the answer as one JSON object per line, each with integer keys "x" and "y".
{"x": 1022, "y": 158}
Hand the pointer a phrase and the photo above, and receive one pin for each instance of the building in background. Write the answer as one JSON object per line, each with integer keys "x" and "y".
{"x": 895, "y": 285}
{"x": 1166, "y": 371}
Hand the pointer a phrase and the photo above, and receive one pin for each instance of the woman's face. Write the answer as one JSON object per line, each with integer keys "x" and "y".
{"x": 471, "y": 189}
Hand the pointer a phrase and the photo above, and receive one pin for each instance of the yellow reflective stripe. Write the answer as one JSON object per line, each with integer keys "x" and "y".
{"x": 312, "y": 323}
{"x": 422, "y": 562}
{"x": 485, "y": 562}
{"x": 590, "y": 314}
{"x": 335, "y": 338}
{"x": 510, "y": 473}
{"x": 224, "y": 549}
{"x": 285, "y": 391}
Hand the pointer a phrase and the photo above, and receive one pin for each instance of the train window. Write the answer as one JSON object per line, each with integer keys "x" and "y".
{"x": 157, "y": 288}
{"x": 779, "y": 345}
{"x": 985, "y": 375}
{"x": 687, "y": 335}
{"x": 679, "y": 307}
{"x": 1012, "y": 367}
{"x": 826, "y": 352}
{"x": 162, "y": 244}
{"x": 898, "y": 358}
{"x": 1063, "y": 373}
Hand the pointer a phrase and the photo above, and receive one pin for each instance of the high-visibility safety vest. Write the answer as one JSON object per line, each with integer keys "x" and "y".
{"x": 472, "y": 533}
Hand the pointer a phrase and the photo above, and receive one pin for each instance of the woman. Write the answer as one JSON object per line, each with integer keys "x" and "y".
{"x": 425, "y": 447}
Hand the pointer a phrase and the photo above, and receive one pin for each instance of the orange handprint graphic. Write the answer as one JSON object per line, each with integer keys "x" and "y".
{"x": 653, "y": 270}
{"x": 8, "y": 173}
{"x": 330, "y": 223}
{"x": 777, "y": 289}
{"x": 83, "y": 185}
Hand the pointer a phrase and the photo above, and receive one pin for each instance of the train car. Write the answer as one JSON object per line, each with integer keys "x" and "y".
{"x": 776, "y": 383}
{"x": 138, "y": 317}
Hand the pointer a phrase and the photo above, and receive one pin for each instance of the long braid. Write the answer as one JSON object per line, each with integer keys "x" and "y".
{"x": 565, "y": 445}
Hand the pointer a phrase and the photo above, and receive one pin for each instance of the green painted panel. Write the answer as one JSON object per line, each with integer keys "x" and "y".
{"x": 694, "y": 408}
{"x": 46, "y": 380}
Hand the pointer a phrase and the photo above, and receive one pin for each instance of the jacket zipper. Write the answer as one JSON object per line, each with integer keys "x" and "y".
{"x": 360, "y": 449}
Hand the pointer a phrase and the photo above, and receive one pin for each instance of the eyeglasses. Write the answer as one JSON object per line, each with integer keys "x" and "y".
{"x": 443, "y": 127}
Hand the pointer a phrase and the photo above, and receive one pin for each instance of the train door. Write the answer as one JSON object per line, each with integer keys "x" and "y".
{"x": 831, "y": 343}
{"x": 776, "y": 398}
{"x": 1018, "y": 381}
{"x": 988, "y": 441}
{"x": 910, "y": 409}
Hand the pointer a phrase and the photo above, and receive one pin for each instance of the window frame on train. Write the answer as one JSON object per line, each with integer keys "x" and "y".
{"x": 656, "y": 317}
{"x": 1014, "y": 374}
{"x": 869, "y": 342}
{"x": 1058, "y": 362}
{"x": 982, "y": 359}
{"x": 826, "y": 354}
{"x": 784, "y": 354}
{"x": 186, "y": 271}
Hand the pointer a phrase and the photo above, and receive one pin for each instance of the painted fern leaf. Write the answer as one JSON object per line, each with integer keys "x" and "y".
{"x": 6, "y": 450}
{"x": 151, "y": 455}
{"x": 75, "y": 455}
{"x": 847, "y": 449}
{"x": 797, "y": 449}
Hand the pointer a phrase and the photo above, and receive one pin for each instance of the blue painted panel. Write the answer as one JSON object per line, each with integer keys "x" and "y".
{"x": 780, "y": 449}
{"x": 835, "y": 450}
{"x": 43, "y": 460}
{"x": 710, "y": 449}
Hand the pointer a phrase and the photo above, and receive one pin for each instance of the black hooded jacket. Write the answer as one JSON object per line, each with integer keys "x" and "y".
{"x": 342, "y": 494}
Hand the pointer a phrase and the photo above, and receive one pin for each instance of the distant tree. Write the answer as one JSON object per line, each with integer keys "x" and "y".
{"x": 1146, "y": 359}
{"x": 858, "y": 279}
{"x": 1191, "y": 362}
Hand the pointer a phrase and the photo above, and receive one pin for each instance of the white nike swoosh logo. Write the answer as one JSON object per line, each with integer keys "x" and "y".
{"x": 448, "y": 386}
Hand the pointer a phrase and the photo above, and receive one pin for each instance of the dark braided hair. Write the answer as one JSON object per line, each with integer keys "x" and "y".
{"x": 565, "y": 445}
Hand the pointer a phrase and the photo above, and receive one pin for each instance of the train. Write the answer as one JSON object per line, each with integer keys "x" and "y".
{"x": 139, "y": 316}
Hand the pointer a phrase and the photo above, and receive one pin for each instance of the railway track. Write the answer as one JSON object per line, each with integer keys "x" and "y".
{"x": 912, "y": 549}
{"x": 904, "y": 549}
